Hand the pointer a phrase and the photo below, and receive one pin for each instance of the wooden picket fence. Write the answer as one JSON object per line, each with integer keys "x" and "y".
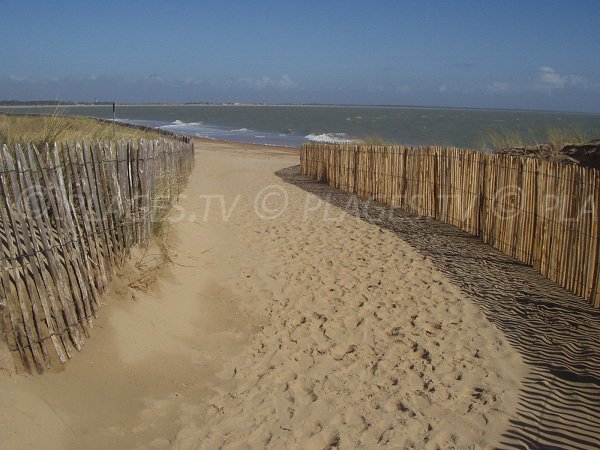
{"x": 69, "y": 215}
{"x": 542, "y": 213}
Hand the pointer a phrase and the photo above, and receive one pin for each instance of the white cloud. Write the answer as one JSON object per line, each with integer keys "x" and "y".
{"x": 549, "y": 79}
{"x": 286, "y": 82}
{"x": 194, "y": 82}
{"x": 154, "y": 78}
{"x": 373, "y": 87}
{"x": 498, "y": 87}
{"x": 404, "y": 89}
{"x": 16, "y": 78}
{"x": 264, "y": 82}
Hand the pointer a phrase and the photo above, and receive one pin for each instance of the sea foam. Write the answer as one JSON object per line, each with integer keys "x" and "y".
{"x": 180, "y": 123}
{"x": 331, "y": 138}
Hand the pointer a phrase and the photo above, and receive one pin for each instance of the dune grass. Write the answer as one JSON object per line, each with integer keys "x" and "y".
{"x": 39, "y": 130}
{"x": 560, "y": 137}
{"x": 502, "y": 140}
{"x": 375, "y": 140}
{"x": 555, "y": 138}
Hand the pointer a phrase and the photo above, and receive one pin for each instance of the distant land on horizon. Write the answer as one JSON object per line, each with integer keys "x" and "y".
{"x": 45, "y": 103}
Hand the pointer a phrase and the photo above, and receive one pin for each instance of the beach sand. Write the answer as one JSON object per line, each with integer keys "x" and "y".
{"x": 281, "y": 322}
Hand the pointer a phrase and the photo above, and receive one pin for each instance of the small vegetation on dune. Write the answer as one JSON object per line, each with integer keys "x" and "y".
{"x": 555, "y": 138}
{"x": 39, "y": 130}
{"x": 377, "y": 141}
{"x": 502, "y": 139}
{"x": 559, "y": 137}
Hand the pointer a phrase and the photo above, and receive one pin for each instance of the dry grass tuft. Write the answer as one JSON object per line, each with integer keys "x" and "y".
{"x": 560, "y": 137}
{"x": 502, "y": 140}
{"x": 377, "y": 141}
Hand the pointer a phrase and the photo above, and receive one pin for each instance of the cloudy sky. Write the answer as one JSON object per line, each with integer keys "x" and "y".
{"x": 497, "y": 54}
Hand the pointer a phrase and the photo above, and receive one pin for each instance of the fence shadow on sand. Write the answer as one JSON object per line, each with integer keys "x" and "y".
{"x": 557, "y": 334}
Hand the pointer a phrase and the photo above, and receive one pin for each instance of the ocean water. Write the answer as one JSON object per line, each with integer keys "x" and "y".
{"x": 292, "y": 125}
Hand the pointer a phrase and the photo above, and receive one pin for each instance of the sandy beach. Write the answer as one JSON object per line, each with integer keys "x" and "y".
{"x": 281, "y": 321}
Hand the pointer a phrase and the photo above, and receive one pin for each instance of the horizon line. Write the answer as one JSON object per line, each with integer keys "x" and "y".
{"x": 70, "y": 103}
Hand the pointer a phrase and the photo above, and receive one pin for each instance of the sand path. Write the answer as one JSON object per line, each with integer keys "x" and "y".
{"x": 283, "y": 322}
{"x": 365, "y": 344}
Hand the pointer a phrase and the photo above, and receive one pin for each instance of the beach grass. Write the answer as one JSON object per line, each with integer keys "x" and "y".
{"x": 375, "y": 140}
{"x": 502, "y": 139}
{"x": 560, "y": 137}
{"x": 55, "y": 127}
{"x": 556, "y": 138}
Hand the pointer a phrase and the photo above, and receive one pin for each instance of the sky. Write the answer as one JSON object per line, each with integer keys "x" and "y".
{"x": 484, "y": 54}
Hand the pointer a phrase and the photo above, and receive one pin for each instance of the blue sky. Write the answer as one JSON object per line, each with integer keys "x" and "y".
{"x": 497, "y": 54}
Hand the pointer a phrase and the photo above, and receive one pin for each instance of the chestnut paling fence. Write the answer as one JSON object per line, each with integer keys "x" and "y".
{"x": 69, "y": 215}
{"x": 542, "y": 213}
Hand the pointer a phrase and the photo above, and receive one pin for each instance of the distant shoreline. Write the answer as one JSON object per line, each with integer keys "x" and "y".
{"x": 42, "y": 104}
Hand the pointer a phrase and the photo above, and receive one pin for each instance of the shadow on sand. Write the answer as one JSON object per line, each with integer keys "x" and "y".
{"x": 557, "y": 333}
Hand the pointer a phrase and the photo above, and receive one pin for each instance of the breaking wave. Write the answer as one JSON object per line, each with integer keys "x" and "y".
{"x": 331, "y": 138}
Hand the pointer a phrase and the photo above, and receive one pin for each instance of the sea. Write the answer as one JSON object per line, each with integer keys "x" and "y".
{"x": 291, "y": 126}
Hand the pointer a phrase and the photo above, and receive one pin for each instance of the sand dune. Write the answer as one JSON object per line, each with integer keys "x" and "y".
{"x": 283, "y": 322}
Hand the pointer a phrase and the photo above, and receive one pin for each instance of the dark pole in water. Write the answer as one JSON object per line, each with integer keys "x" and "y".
{"x": 114, "y": 109}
